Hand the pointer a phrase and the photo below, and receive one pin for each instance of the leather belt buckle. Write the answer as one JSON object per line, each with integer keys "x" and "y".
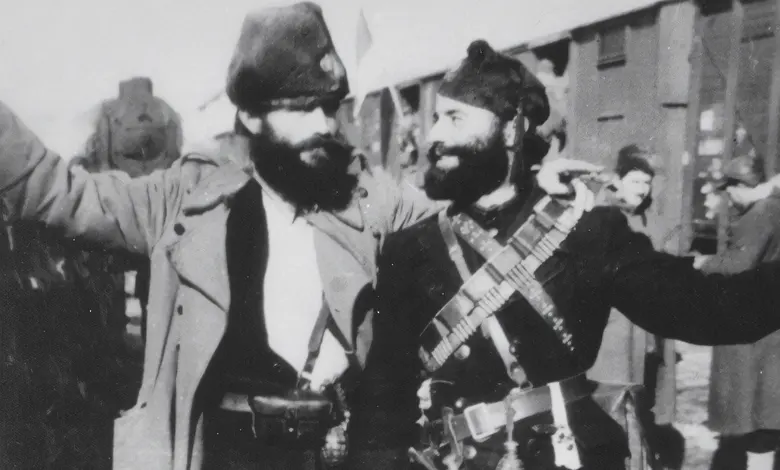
{"x": 478, "y": 422}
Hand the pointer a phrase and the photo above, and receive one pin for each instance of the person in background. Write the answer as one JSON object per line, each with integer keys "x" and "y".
{"x": 263, "y": 260}
{"x": 628, "y": 353}
{"x": 408, "y": 141}
{"x": 744, "y": 404}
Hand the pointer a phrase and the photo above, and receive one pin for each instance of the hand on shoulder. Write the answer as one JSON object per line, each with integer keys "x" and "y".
{"x": 560, "y": 178}
{"x": 554, "y": 176}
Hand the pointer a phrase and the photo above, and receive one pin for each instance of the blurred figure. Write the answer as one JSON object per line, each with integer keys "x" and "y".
{"x": 622, "y": 354}
{"x": 408, "y": 140}
{"x": 744, "y": 401}
{"x": 137, "y": 133}
{"x": 556, "y": 83}
{"x": 67, "y": 367}
{"x": 59, "y": 370}
{"x": 628, "y": 353}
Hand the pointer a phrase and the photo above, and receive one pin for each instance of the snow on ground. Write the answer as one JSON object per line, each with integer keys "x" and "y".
{"x": 693, "y": 375}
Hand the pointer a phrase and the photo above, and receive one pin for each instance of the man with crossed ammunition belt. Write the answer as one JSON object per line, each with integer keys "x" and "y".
{"x": 503, "y": 345}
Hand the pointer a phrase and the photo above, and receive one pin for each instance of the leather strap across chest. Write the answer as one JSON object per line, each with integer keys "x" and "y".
{"x": 508, "y": 270}
{"x": 324, "y": 323}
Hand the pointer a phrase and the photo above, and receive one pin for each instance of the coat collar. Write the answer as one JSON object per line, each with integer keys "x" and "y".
{"x": 231, "y": 155}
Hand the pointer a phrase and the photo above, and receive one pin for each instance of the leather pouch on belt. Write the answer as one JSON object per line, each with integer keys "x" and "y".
{"x": 297, "y": 418}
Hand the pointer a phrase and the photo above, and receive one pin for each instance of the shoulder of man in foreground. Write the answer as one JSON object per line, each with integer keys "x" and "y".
{"x": 401, "y": 204}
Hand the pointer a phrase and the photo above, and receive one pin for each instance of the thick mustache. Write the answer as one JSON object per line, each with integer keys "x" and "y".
{"x": 319, "y": 141}
{"x": 436, "y": 151}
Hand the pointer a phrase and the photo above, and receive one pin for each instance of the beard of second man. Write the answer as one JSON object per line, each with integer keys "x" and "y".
{"x": 483, "y": 167}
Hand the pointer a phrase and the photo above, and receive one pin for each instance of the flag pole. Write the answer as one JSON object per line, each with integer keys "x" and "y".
{"x": 396, "y": 100}
{"x": 211, "y": 100}
{"x": 365, "y": 42}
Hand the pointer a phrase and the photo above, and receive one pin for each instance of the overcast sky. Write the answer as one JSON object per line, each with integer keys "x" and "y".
{"x": 59, "y": 58}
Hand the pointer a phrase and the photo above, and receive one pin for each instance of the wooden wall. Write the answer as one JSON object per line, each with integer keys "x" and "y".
{"x": 637, "y": 94}
{"x": 640, "y": 92}
{"x": 733, "y": 72}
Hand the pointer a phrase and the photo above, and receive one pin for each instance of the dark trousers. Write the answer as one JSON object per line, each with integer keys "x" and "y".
{"x": 378, "y": 459}
{"x": 397, "y": 459}
{"x": 230, "y": 445}
{"x": 731, "y": 453}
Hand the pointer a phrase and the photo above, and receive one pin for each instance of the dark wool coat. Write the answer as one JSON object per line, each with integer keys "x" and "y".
{"x": 602, "y": 264}
{"x": 628, "y": 353}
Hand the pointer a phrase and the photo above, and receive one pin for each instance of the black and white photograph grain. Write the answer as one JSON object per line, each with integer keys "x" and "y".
{"x": 390, "y": 235}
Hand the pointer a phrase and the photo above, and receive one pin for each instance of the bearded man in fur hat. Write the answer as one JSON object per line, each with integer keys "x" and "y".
{"x": 489, "y": 313}
{"x": 262, "y": 260}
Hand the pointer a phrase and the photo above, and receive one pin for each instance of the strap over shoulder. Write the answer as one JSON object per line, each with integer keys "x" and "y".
{"x": 509, "y": 269}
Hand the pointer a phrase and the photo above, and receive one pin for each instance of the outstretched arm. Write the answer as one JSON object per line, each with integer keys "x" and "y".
{"x": 763, "y": 190}
{"x": 107, "y": 208}
{"x": 665, "y": 295}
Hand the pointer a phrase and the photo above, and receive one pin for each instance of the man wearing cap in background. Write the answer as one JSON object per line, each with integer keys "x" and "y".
{"x": 262, "y": 260}
{"x": 744, "y": 403}
{"x": 510, "y": 339}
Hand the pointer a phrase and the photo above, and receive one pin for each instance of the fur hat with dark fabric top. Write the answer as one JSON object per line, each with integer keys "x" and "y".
{"x": 496, "y": 82}
{"x": 285, "y": 58}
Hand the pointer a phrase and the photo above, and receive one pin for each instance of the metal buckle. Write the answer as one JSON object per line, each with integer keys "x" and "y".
{"x": 424, "y": 458}
{"x": 473, "y": 421}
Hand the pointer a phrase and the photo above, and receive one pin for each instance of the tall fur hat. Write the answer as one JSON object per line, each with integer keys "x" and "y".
{"x": 496, "y": 82}
{"x": 285, "y": 58}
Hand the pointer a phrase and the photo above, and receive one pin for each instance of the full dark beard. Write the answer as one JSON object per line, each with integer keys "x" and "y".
{"x": 326, "y": 184}
{"x": 482, "y": 169}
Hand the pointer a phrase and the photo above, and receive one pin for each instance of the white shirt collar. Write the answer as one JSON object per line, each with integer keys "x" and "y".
{"x": 276, "y": 199}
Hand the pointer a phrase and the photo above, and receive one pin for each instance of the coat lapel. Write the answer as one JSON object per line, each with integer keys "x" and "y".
{"x": 200, "y": 259}
{"x": 199, "y": 255}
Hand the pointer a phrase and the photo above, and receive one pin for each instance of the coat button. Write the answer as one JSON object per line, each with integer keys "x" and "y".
{"x": 362, "y": 192}
{"x": 178, "y": 229}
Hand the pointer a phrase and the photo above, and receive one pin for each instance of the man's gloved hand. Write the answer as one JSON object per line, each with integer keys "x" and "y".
{"x": 558, "y": 178}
